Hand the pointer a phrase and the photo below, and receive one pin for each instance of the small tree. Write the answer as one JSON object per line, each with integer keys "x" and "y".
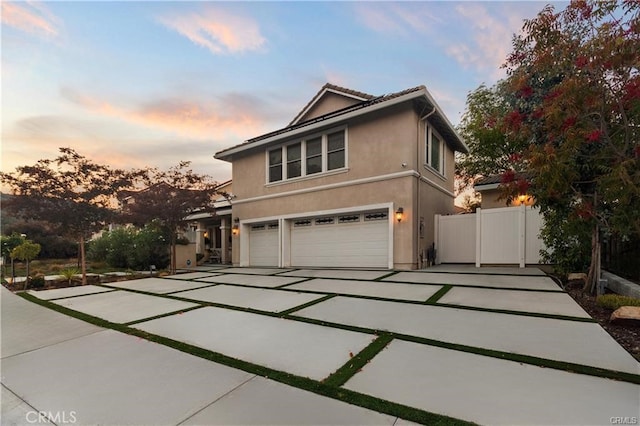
{"x": 7, "y": 244}
{"x": 27, "y": 251}
{"x": 168, "y": 199}
{"x": 70, "y": 192}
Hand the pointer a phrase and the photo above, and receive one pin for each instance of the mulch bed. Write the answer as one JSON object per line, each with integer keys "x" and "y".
{"x": 628, "y": 336}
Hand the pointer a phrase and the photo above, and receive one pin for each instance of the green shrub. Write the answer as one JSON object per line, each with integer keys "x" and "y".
{"x": 131, "y": 248}
{"x": 37, "y": 281}
{"x": 614, "y": 301}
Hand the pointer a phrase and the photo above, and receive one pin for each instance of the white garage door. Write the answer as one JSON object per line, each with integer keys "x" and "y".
{"x": 263, "y": 244}
{"x": 347, "y": 240}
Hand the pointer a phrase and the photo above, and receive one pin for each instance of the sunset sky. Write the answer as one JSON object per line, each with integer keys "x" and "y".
{"x": 133, "y": 84}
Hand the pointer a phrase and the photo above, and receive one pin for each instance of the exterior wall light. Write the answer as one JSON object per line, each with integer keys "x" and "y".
{"x": 399, "y": 214}
{"x": 235, "y": 230}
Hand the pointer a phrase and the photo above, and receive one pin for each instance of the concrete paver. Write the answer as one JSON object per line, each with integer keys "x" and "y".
{"x": 157, "y": 285}
{"x": 370, "y": 288}
{"x": 307, "y": 350}
{"x": 14, "y": 411}
{"x": 486, "y": 270}
{"x": 265, "y": 402}
{"x": 113, "y": 378}
{"x": 348, "y": 274}
{"x": 514, "y": 300}
{"x": 206, "y": 268}
{"x": 123, "y": 306}
{"x": 192, "y": 275}
{"x": 488, "y": 390}
{"x": 254, "y": 298}
{"x": 577, "y": 342}
{"x": 252, "y": 280}
{"x": 502, "y": 281}
{"x": 27, "y": 326}
{"x": 254, "y": 271}
{"x": 58, "y": 293}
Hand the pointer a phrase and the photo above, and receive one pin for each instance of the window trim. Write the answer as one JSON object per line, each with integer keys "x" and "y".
{"x": 429, "y": 133}
{"x": 303, "y": 156}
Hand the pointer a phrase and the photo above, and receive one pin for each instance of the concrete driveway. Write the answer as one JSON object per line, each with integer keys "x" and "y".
{"x": 223, "y": 345}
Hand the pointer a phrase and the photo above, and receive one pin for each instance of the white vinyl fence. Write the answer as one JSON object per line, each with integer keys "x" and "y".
{"x": 508, "y": 235}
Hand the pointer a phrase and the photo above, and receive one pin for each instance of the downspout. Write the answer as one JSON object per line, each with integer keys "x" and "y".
{"x": 419, "y": 170}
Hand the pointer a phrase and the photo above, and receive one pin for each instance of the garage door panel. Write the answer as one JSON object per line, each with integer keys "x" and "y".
{"x": 263, "y": 245}
{"x": 322, "y": 242}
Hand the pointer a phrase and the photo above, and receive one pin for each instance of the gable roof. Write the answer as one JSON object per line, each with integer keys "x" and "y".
{"x": 332, "y": 88}
{"x": 419, "y": 95}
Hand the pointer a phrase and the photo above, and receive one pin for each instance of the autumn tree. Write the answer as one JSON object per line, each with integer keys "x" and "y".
{"x": 574, "y": 82}
{"x": 70, "y": 192}
{"x": 168, "y": 199}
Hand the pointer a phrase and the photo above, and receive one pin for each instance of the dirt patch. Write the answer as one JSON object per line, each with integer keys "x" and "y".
{"x": 628, "y": 336}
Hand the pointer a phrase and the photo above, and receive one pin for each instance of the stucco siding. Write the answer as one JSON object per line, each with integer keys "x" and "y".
{"x": 397, "y": 191}
{"x": 376, "y": 146}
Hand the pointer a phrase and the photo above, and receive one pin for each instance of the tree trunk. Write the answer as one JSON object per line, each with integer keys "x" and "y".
{"x": 172, "y": 266}
{"x": 13, "y": 271}
{"x": 26, "y": 281}
{"x": 594, "y": 269}
{"x": 83, "y": 261}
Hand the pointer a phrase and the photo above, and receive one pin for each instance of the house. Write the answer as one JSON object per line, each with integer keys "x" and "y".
{"x": 353, "y": 181}
{"x": 492, "y": 195}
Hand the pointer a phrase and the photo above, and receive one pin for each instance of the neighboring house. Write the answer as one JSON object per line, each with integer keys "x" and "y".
{"x": 492, "y": 196}
{"x": 353, "y": 181}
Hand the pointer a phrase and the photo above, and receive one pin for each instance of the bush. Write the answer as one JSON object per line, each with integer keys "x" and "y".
{"x": 37, "y": 281}
{"x": 614, "y": 301}
{"x": 131, "y": 248}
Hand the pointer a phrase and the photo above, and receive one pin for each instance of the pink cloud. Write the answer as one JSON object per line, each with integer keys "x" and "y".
{"x": 217, "y": 30}
{"x": 231, "y": 116}
{"x": 30, "y": 17}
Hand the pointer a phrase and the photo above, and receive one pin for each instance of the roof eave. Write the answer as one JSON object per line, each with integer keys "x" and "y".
{"x": 458, "y": 144}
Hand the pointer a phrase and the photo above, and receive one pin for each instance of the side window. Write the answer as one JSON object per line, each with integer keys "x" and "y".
{"x": 434, "y": 150}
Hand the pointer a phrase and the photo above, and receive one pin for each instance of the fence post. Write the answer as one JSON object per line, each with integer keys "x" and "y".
{"x": 478, "y": 237}
{"x": 436, "y": 236}
{"x": 522, "y": 239}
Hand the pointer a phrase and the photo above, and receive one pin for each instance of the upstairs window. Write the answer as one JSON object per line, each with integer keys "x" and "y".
{"x": 294, "y": 160}
{"x": 314, "y": 155}
{"x": 275, "y": 165}
{"x": 434, "y": 152}
{"x": 335, "y": 150}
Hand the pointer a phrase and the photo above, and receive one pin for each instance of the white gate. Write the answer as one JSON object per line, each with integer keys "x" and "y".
{"x": 508, "y": 235}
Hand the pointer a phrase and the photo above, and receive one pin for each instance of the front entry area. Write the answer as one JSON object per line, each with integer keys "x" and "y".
{"x": 344, "y": 239}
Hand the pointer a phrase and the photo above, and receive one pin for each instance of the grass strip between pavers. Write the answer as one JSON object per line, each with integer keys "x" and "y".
{"x": 355, "y": 364}
{"x": 508, "y": 356}
{"x": 306, "y": 305}
{"x": 541, "y": 362}
{"x": 168, "y": 314}
{"x": 438, "y": 294}
{"x": 345, "y": 395}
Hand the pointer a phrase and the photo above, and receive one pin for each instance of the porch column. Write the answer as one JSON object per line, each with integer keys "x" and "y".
{"x": 225, "y": 226}
{"x": 200, "y": 239}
